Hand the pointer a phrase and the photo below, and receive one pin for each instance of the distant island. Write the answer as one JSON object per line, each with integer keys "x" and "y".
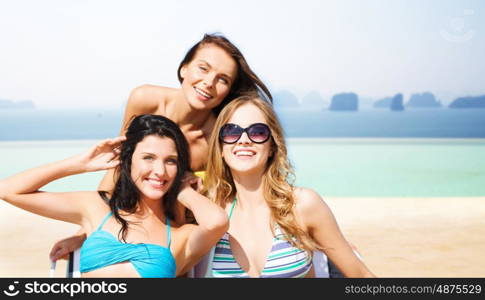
{"x": 9, "y": 104}
{"x": 396, "y": 103}
{"x": 468, "y": 102}
{"x": 383, "y": 103}
{"x": 424, "y": 100}
{"x": 285, "y": 99}
{"x": 345, "y": 102}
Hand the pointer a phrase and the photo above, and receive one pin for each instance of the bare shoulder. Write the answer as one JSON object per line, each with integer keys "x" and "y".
{"x": 310, "y": 206}
{"x": 148, "y": 98}
{"x": 148, "y": 90}
{"x": 307, "y": 198}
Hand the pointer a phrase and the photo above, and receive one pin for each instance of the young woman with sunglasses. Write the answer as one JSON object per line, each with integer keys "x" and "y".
{"x": 212, "y": 73}
{"x": 274, "y": 226}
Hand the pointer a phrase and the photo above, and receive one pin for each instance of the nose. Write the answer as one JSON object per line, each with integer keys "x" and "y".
{"x": 209, "y": 80}
{"x": 159, "y": 169}
{"x": 244, "y": 139}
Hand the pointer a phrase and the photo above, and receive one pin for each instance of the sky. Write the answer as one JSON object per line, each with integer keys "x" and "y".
{"x": 84, "y": 54}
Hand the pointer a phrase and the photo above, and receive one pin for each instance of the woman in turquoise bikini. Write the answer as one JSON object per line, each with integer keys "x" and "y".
{"x": 211, "y": 74}
{"x": 130, "y": 231}
{"x": 274, "y": 226}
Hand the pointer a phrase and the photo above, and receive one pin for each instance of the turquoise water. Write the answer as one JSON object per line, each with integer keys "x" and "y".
{"x": 18, "y": 156}
{"x": 333, "y": 167}
{"x": 390, "y": 167}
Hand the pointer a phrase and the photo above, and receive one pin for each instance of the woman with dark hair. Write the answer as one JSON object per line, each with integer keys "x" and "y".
{"x": 211, "y": 74}
{"x": 130, "y": 231}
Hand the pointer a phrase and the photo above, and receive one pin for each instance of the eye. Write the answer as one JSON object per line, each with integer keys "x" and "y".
{"x": 203, "y": 68}
{"x": 172, "y": 161}
{"x": 223, "y": 80}
{"x": 148, "y": 157}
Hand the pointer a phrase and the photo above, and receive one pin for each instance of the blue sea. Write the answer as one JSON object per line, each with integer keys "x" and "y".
{"x": 98, "y": 124}
{"x": 421, "y": 153}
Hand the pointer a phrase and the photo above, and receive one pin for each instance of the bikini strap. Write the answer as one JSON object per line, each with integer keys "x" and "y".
{"x": 104, "y": 220}
{"x": 169, "y": 238}
{"x": 232, "y": 207}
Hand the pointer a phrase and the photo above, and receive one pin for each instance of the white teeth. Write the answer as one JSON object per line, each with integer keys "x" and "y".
{"x": 201, "y": 92}
{"x": 245, "y": 153}
{"x": 157, "y": 182}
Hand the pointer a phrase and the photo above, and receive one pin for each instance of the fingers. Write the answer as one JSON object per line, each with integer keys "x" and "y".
{"x": 106, "y": 146}
{"x": 188, "y": 176}
{"x": 193, "y": 181}
{"x": 200, "y": 187}
{"x": 112, "y": 163}
{"x": 113, "y": 143}
{"x": 116, "y": 153}
{"x": 61, "y": 253}
{"x": 54, "y": 249}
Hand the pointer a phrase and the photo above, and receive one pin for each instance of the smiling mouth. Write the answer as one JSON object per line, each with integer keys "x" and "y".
{"x": 202, "y": 93}
{"x": 244, "y": 153}
{"x": 158, "y": 184}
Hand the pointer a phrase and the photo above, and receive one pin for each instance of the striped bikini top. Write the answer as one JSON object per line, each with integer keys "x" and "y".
{"x": 102, "y": 249}
{"x": 283, "y": 261}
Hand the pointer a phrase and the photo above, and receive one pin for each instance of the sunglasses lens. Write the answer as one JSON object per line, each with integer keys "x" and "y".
{"x": 258, "y": 133}
{"x": 230, "y": 133}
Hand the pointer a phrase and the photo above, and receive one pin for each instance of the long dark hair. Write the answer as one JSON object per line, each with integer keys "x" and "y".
{"x": 126, "y": 195}
{"x": 246, "y": 80}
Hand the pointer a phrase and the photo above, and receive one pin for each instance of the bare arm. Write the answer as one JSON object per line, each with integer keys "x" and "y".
{"x": 323, "y": 228}
{"x": 142, "y": 100}
{"x": 212, "y": 222}
{"x": 21, "y": 189}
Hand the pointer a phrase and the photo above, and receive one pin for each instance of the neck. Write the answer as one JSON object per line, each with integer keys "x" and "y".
{"x": 249, "y": 190}
{"x": 184, "y": 115}
{"x": 149, "y": 207}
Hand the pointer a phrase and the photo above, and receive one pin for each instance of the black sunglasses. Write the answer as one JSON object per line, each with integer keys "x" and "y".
{"x": 258, "y": 133}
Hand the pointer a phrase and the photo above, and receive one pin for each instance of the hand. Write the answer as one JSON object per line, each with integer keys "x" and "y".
{"x": 102, "y": 156}
{"x": 62, "y": 248}
{"x": 190, "y": 183}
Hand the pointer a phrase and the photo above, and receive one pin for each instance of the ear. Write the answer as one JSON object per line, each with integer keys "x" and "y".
{"x": 183, "y": 71}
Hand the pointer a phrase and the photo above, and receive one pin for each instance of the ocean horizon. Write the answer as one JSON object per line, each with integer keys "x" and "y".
{"x": 36, "y": 124}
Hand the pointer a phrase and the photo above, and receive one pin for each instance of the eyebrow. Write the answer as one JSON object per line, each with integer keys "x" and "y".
{"x": 210, "y": 66}
{"x": 149, "y": 153}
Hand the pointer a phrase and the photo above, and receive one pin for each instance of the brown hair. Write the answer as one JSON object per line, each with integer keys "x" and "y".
{"x": 277, "y": 178}
{"x": 246, "y": 80}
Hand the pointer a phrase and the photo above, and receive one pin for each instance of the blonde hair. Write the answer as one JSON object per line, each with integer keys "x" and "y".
{"x": 277, "y": 179}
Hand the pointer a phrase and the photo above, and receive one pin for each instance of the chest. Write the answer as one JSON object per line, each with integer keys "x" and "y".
{"x": 251, "y": 248}
{"x": 235, "y": 257}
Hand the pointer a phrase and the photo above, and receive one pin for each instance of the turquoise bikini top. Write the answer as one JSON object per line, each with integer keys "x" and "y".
{"x": 102, "y": 249}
